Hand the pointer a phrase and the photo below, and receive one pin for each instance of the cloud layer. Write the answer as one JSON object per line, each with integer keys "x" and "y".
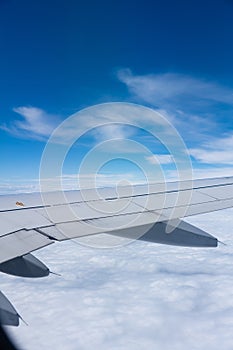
{"x": 137, "y": 296}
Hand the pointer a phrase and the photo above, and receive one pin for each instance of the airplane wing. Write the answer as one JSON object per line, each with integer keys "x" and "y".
{"x": 152, "y": 213}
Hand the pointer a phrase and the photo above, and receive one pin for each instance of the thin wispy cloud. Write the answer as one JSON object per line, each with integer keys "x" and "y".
{"x": 160, "y": 159}
{"x": 187, "y": 102}
{"x": 107, "y": 121}
{"x": 35, "y": 123}
{"x": 175, "y": 90}
{"x": 197, "y": 107}
{"x": 193, "y": 105}
{"x": 216, "y": 151}
{"x": 112, "y": 131}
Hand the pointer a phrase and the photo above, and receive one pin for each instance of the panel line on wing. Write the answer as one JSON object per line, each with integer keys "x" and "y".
{"x": 207, "y": 194}
{"x": 194, "y": 188}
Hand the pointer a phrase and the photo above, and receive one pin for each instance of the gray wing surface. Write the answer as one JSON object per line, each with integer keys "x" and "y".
{"x": 152, "y": 213}
{"x": 41, "y": 220}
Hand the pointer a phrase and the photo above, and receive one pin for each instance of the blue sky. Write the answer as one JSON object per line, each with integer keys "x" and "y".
{"x": 58, "y": 57}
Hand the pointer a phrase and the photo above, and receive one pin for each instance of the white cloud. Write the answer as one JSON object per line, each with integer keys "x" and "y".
{"x": 100, "y": 180}
{"x": 112, "y": 131}
{"x": 212, "y": 157}
{"x": 216, "y": 151}
{"x": 201, "y": 173}
{"x": 35, "y": 124}
{"x": 194, "y": 106}
{"x": 137, "y": 296}
{"x": 7, "y": 188}
{"x": 160, "y": 159}
{"x": 173, "y": 89}
{"x": 70, "y": 182}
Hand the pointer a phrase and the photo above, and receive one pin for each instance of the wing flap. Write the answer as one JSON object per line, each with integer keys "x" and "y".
{"x": 22, "y": 219}
{"x": 76, "y": 229}
{"x": 20, "y": 243}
